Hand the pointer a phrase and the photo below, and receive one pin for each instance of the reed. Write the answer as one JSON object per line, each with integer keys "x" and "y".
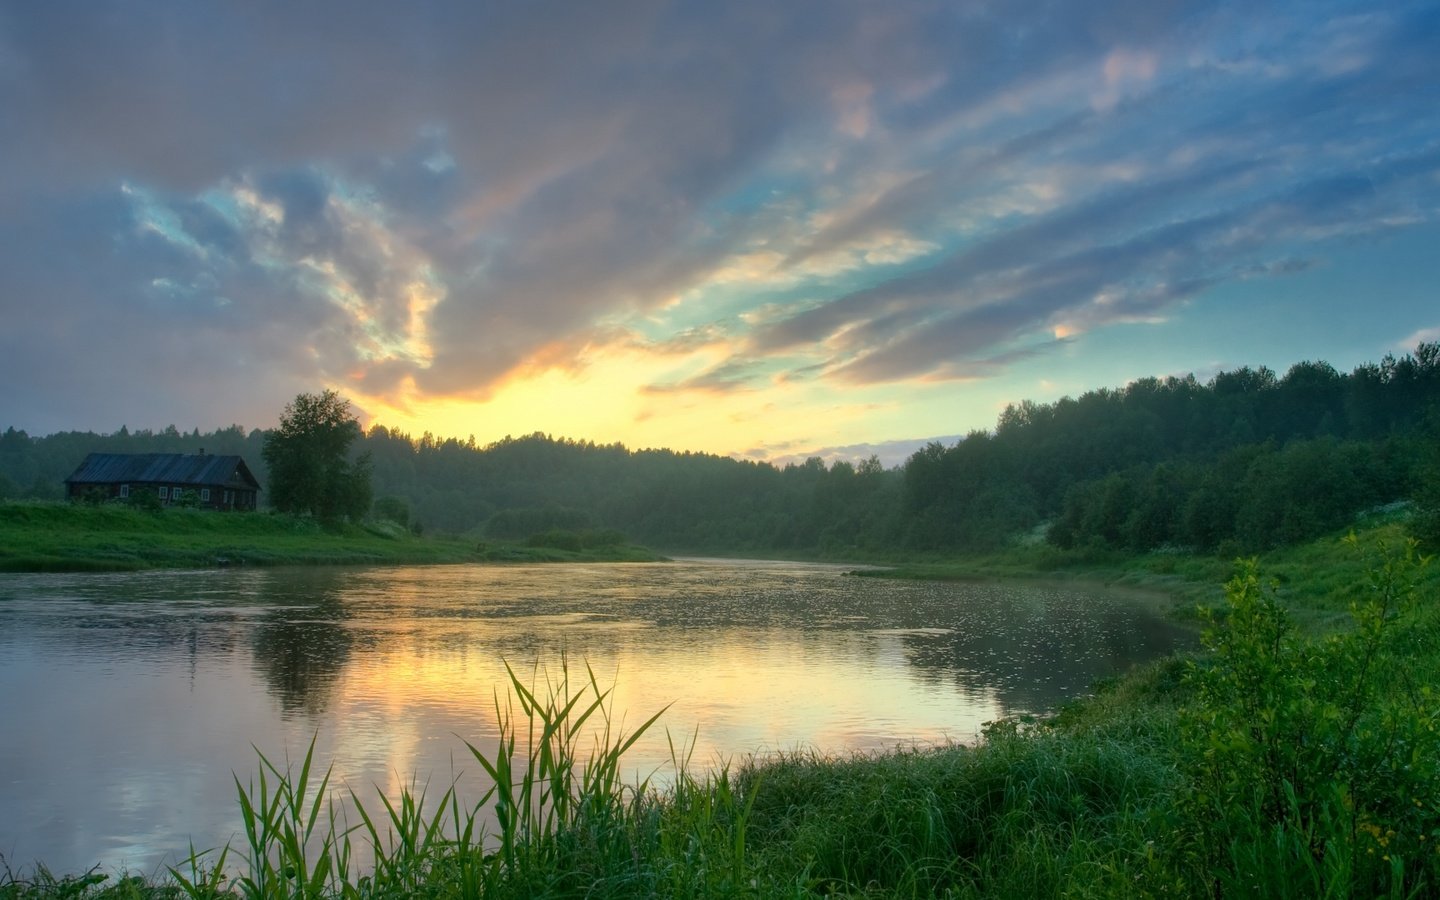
{"x": 565, "y": 821}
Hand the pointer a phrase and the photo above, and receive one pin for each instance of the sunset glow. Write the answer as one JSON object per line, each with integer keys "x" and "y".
{"x": 732, "y": 228}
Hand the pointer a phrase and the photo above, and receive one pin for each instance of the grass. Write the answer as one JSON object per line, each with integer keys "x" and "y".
{"x": 1024, "y": 814}
{"x": 1316, "y": 577}
{"x": 1296, "y": 758}
{"x": 40, "y": 536}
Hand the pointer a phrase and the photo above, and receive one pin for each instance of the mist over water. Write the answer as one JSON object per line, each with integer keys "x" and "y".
{"x": 129, "y": 700}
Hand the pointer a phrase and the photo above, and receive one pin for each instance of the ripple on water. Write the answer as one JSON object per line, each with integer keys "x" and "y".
{"x": 142, "y": 693}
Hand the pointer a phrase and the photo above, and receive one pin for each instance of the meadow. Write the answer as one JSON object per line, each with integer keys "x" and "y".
{"x": 45, "y": 536}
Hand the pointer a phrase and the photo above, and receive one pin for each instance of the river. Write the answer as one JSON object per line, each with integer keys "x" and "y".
{"x": 128, "y": 700}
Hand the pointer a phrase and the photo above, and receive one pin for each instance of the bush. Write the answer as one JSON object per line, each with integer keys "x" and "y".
{"x": 94, "y": 496}
{"x": 557, "y": 539}
{"x": 520, "y": 524}
{"x": 393, "y": 509}
{"x": 602, "y": 537}
{"x": 145, "y": 499}
{"x": 1316, "y": 763}
{"x": 575, "y": 541}
{"x": 189, "y": 499}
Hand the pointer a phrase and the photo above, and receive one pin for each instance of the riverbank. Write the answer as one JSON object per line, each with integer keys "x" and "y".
{"x": 62, "y": 537}
{"x": 1317, "y": 578}
{"x": 1295, "y": 758}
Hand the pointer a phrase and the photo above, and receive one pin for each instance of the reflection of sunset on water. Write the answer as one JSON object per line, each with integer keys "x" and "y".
{"x": 391, "y": 670}
{"x": 737, "y": 694}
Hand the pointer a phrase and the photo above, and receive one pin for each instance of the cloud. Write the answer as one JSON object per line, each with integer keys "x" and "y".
{"x": 735, "y": 376}
{"x": 890, "y": 453}
{"x": 1423, "y": 336}
{"x": 1055, "y": 274}
{"x": 436, "y": 201}
{"x": 1010, "y": 253}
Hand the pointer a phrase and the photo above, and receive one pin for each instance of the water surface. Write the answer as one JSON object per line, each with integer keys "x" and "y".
{"x": 129, "y": 699}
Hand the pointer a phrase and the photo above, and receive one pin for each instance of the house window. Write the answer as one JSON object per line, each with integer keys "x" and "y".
{"x": 204, "y": 495}
{"x": 164, "y": 493}
{"x": 227, "y": 498}
{"x": 124, "y": 491}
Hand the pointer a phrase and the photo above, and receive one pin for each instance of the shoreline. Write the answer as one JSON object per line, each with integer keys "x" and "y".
{"x": 40, "y": 537}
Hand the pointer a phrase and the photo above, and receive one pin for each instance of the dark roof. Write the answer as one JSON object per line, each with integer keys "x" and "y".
{"x": 163, "y": 468}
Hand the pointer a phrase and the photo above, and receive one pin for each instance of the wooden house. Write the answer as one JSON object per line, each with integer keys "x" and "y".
{"x": 218, "y": 482}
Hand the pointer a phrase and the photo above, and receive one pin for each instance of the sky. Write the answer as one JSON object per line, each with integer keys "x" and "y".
{"x": 764, "y": 229}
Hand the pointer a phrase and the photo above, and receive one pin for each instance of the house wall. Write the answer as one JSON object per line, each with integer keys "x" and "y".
{"x": 239, "y": 499}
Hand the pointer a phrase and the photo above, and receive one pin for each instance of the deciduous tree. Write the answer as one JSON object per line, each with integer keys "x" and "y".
{"x": 311, "y": 469}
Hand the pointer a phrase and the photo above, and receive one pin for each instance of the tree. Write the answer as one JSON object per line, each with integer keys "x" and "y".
{"x": 1425, "y": 524}
{"x": 309, "y": 458}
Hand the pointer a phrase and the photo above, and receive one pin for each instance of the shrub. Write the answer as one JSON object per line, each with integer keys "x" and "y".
{"x": 1316, "y": 763}
{"x": 393, "y": 509}
{"x": 146, "y": 499}
{"x": 557, "y": 539}
{"x": 518, "y": 524}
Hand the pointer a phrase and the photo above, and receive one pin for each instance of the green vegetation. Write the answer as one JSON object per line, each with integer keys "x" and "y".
{"x": 1286, "y": 761}
{"x": 1240, "y": 464}
{"x": 309, "y": 464}
{"x": 59, "y": 537}
{"x": 1315, "y": 765}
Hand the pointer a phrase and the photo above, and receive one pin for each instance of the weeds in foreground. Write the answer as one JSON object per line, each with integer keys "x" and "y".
{"x": 565, "y": 822}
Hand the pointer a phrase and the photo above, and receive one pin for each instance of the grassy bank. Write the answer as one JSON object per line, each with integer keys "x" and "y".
{"x": 1317, "y": 577}
{"x": 63, "y": 537}
{"x": 1294, "y": 758}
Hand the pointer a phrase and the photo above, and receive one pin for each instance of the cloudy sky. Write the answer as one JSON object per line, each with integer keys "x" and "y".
{"x": 763, "y": 229}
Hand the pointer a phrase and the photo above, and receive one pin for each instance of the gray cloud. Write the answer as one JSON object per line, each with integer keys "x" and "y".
{"x": 890, "y": 453}
{"x": 544, "y": 167}
{"x": 937, "y": 320}
{"x": 737, "y": 375}
{"x": 104, "y": 321}
{"x": 1024, "y": 259}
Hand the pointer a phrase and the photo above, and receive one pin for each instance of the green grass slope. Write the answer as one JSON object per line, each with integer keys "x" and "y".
{"x": 51, "y": 537}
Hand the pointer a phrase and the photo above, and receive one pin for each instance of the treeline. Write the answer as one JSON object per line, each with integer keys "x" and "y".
{"x": 679, "y": 501}
{"x": 36, "y": 467}
{"x": 1244, "y": 461}
{"x": 520, "y": 487}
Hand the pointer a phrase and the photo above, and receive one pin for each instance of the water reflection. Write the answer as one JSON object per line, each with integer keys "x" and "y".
{"x": 300, "y": 642}
{"x": 1038, "y": 650}
{"x": 141, "y": 693}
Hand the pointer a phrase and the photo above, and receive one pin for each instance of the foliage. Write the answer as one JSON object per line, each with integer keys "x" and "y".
{"x": 1426, "y": 522}
{"x": 310, "y": 468}
{"x": 1246, "y": 461}
{"x": 1317, "y": 763}
{"x": 519, "y": 524}
{"x": 566, "y": 824}
{"x": 93, "y": 885}
{"x": 393, "y": 509}
{"x": 189, "y": 499}
{"x": 144, "y": 498}
{"x": 576, "y": 541}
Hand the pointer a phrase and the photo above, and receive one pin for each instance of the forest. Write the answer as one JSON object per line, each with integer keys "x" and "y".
{"x": 1245, "y": 461}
